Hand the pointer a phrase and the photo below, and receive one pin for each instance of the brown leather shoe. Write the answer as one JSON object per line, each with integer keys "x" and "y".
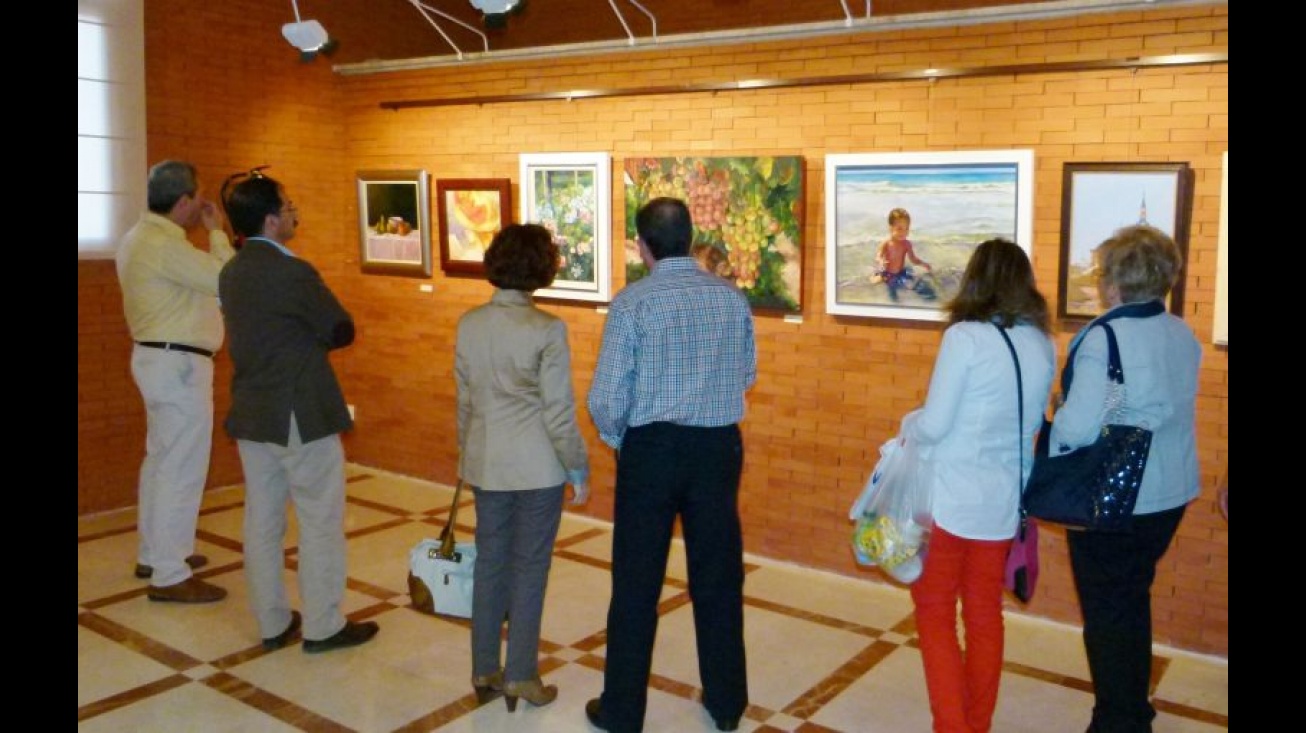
{"x": 194, "y": 561}
{"x": 190, "y": 590}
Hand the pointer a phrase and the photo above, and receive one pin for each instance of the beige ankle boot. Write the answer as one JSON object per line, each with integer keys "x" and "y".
{"x": 533, "y": 691}
{"x": 488, "y": 687}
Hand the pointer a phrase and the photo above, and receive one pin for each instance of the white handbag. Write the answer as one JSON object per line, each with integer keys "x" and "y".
{"x": 441, "y": 573}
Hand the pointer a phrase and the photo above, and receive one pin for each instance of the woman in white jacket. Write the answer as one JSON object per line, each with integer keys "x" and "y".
{"x": 969, "y": 435}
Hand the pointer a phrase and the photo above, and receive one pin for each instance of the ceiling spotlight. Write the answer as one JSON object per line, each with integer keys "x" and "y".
{"x": 496, "y": 11}
{"x": 308, "y": 36}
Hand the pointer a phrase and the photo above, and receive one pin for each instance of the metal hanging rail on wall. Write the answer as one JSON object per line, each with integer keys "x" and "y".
{"x": 1058, "y": 67}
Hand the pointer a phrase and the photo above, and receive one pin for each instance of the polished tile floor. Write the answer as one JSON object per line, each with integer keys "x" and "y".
{"x": 825, "y": 652}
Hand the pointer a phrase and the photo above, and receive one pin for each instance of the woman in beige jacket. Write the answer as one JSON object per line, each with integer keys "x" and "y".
{"x": 519, "y": 444}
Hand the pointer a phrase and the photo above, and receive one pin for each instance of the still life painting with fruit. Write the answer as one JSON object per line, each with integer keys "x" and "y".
{"x": 393, "y": 232}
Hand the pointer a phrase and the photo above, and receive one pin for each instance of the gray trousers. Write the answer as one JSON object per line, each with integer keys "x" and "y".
{"x": 515, "y": 531}
{"x": 311, "y": 476}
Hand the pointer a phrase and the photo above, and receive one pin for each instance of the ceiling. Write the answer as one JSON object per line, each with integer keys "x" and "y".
{"x": 387, "y": 30}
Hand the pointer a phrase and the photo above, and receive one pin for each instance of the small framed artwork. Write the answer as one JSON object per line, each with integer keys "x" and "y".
{"x": 1220, "y": 335}
{"x": 748, "y": 220}
{"x": 394, "y": 222}
{"x": 571, "y": 195}
{"x": 900, "y": 227}
{"x": 1099, "y": 198}
{"x": 472, "y": 211}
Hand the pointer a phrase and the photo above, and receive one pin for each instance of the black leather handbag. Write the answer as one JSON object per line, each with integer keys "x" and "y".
{"x": 1095, "y": 486}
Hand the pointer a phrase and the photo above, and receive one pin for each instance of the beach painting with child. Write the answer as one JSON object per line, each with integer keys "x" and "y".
{"x": 900, "y": 227}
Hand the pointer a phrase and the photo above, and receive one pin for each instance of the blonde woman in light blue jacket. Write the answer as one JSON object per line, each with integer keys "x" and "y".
{"x": 1113, "y": 572}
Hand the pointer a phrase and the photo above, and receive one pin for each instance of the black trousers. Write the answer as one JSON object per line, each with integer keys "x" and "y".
{"x": 1113, "y": 577}
{"x": 666, "y": 471}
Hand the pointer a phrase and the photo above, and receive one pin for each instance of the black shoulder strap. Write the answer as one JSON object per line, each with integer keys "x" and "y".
{"x": 1020, "y": 432}
{"x": 1020, "y": 420}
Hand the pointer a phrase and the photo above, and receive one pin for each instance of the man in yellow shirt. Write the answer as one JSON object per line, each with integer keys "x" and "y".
{"x": 169, "y": 290}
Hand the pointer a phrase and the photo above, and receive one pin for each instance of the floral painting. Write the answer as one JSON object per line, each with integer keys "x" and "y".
{"x": 570, "y": 195}
{"x": 747, "y": 214}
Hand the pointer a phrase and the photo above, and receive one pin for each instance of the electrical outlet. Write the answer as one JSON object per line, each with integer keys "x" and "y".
{"x": 351, "y": 411}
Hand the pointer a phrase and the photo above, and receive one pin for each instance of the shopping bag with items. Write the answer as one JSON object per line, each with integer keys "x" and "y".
{"x": 441, "y": 573}
{"x": 892, "y": 514}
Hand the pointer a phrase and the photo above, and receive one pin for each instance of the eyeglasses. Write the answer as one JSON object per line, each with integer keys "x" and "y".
{"x": 289, "y": 208}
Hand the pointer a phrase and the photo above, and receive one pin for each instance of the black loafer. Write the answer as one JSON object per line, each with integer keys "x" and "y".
{"x": 272, "y": 643}
{"x": 351, "y": 635}
{"x": 727, "y": 724}
{"x": 594, "y": 713}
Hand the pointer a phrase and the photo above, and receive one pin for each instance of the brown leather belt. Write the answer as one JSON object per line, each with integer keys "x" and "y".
{"x": 166, "y": 346}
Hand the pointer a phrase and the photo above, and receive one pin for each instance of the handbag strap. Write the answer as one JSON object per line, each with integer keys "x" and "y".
{"x": 1020, "y": 434}
{"x": 446, "y": 534}
{"x": 1129, "y": 310}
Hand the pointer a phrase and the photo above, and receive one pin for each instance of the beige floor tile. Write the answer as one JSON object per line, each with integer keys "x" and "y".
{"x": 378, "y": 686}
{"x": 890, "y": 698}
{"x": 1196, "y": 681}
{"x": 193, "y": 707}
{"x": 575, "y": 602}
{"x": 412, "y": 495}
{"x": 382, "y": 558}
{"x": 1045, "y": 645}
{"x": 871, "y": 603}
{"x": 1028, "y": 705}
{"x": 106, "y": 668}
{"x": 576, "y": 686}
{"x": 778, "y": 670}
{"x": 111, "y": 521}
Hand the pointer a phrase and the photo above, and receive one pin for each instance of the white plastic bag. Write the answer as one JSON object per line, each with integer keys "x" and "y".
{"x": 892, "y": 514}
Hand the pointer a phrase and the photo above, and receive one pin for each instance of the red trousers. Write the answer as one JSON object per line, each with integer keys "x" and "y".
{"x": 963, "y": 684}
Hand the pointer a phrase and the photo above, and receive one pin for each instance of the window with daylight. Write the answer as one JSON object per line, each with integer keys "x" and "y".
{"x": 110, "y": 122}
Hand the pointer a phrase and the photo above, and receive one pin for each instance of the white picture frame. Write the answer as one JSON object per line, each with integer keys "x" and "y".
{"x": 956, "y": 201}
{"x": 571, "y": 195}
{"x": 1220, "y": 334}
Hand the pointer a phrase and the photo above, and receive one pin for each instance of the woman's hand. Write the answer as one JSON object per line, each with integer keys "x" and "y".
{"x": 580, "y": 487}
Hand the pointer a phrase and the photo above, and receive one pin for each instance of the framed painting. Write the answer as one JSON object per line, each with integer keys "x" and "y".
{"x": 472, "y": 211}
{"x": 1220, "y": 335}
{"x": 570, "y": 194}
{"x": 943, "y": 205}
{"x": 394, "y": 222}
{"x": 1099, "y": 198}
{"x": 748, "y": 220}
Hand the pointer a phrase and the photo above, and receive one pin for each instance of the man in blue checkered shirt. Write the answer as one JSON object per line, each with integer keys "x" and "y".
{"x": 668, "y": 393}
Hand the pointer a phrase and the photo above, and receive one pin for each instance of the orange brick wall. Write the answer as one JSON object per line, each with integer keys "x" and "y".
{"x": 830, "y": 390}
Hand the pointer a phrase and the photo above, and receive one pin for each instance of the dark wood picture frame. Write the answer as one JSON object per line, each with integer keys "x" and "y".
{"x": 1099, "y": 198}
{"x": 472, "y": 211}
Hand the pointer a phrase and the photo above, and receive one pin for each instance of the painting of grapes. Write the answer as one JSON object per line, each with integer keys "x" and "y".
{"x": 747, "y": 214}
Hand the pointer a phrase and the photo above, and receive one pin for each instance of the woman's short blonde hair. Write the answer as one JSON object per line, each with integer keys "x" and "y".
{"x": 1142, "y": 262}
